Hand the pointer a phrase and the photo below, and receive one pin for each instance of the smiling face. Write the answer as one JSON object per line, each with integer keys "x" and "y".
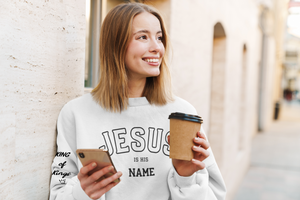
{"x": 145, "y": 51}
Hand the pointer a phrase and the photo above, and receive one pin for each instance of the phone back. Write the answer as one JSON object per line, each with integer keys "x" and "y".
{"x": 99, "y": 156}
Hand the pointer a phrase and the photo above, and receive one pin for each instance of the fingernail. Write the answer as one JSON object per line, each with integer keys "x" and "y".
{"x": 111, "y": 168}
{"x": 119, "y": 174}
{"x": 94, "y": 165}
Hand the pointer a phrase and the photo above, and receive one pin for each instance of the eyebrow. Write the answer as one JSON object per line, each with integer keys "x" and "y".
{"x": 146, "y": 31}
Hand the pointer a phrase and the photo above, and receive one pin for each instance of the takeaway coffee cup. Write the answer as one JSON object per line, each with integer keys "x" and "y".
{"x": 183, "y": 130}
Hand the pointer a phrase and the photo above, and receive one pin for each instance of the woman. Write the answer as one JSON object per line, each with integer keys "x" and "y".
{"x": 127, "y": 115}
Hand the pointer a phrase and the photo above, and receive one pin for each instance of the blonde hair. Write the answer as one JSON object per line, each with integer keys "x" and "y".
{"x": 116, "y": 32}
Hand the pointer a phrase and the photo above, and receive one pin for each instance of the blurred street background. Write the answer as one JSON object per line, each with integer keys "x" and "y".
{"x": 274, "y": 171}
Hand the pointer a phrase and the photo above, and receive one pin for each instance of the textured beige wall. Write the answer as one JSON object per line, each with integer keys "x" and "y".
{"x": 42, "y": 62}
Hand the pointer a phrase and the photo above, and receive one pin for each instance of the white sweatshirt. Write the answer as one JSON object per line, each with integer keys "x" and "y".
{"x": 137, "y": 142}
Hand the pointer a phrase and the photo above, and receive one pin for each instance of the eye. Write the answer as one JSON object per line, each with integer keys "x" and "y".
{"x": 143, "y": 37}
{"x": 160, "y": 38}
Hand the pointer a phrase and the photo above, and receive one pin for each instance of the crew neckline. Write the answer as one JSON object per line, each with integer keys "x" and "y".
{"x": 139, "y": 101}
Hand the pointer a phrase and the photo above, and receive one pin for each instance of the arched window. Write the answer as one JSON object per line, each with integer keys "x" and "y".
{"x": 217, "y": 97}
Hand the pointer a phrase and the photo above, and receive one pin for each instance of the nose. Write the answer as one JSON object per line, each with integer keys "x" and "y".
{"x": 155, "y": 46}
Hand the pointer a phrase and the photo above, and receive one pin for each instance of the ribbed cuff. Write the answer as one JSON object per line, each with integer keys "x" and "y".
{"x": 184, "y": 181}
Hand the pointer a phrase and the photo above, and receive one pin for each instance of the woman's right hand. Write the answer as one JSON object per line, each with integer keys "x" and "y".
{"x": 96, "y": 189}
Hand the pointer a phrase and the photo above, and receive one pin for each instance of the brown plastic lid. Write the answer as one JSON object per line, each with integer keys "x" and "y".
{"x": 187, "y": 117}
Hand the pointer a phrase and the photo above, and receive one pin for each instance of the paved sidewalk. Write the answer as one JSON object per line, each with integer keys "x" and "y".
{"x": 274, "y": 172}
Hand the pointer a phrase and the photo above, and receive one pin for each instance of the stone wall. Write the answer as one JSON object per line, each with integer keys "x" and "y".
{"x": 42, "y": 62}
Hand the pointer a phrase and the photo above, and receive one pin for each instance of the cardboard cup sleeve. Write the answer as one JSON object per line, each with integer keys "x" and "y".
{"x": 183, "y": 130}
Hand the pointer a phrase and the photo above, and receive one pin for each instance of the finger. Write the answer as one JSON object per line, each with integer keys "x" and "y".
{"x": 201, "y": 151}
{"x": 90, "y": 185}
{"x": 99, "y": 193}
{"x": 201, "y": 142}
{"x": 108, "y": 180}
{"x": 168, "y": 139}
{"x": 86, "y": 169}
{"x": 105, "y": 182}
{"x": 200, "y": 165}
{"x": 98, "y": 174}
{"x": 201, "y": 135}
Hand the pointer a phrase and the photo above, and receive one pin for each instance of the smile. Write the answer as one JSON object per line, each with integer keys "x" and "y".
{"x": 151, "y": 60}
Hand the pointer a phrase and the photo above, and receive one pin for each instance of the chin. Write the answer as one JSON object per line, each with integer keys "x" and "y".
{"x": 154, "y": 74}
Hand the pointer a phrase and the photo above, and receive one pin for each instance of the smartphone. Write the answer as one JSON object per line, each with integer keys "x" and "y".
{"x": 99, "y": 156}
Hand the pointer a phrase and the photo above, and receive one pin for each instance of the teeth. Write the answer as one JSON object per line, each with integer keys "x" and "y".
{"x": 151, "y": 60}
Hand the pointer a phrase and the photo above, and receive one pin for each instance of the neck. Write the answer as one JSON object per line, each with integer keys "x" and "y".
{"x": 136, "y": 88}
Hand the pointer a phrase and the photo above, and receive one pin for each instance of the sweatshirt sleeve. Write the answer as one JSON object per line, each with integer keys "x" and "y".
{"x": 206, "y": 184}
{"x": 64, "y": 182}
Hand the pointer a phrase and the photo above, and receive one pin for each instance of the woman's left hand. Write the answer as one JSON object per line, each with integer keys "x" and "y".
{"x": 188, "y": 168}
